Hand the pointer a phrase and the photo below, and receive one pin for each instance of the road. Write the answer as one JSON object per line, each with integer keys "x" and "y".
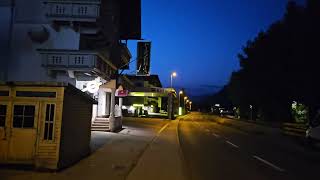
{"x": 236, "y": 150}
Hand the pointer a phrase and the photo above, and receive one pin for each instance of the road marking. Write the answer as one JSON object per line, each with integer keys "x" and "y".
{"x": 162, "y": 129}
{"x": 216, "y": 135}
{"x": 269, "y": 163}
{"x": 230, "y": 143}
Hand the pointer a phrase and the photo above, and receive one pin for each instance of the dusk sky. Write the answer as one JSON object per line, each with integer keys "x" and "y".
{"x": 200, "y": 39}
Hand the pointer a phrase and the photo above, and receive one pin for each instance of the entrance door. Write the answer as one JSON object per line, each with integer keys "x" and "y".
{"x": 23, "y": 136}
{"x": 4, "y": 112}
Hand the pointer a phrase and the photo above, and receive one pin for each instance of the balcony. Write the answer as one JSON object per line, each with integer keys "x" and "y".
{"x": 73, "y": 10}
{"x": 77, "y": 63}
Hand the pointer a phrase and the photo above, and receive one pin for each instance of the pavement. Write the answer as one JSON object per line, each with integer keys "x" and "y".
{"x": 123, "y": 155}
{"x": 163, "y": 158}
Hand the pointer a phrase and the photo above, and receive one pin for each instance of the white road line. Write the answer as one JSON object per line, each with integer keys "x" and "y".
{"x": 162, "y": 129}
{"x": 232, "y": 144}
{"x": 270, "y": 164}
{"x": 216, "y": 135}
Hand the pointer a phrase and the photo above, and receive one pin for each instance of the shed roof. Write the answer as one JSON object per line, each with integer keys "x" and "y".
{"x": 66, "y": 85}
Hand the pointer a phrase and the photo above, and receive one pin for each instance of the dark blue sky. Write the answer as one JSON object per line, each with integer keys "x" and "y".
{"x": 200, "y": 39}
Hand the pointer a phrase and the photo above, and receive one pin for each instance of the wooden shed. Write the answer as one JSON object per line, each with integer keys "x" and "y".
{"x": 44, "y": 124}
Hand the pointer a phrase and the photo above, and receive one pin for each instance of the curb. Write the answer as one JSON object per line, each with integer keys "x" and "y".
{"x": 186, "y": 168}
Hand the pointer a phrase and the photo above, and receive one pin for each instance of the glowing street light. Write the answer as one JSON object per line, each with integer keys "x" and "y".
{"x": 174, "y": 74}
{"x": 180, "y": 108}
{"x": 180, "y": 93}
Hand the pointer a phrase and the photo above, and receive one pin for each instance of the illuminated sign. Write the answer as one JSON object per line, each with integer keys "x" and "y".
{"x": 122, "y": 93}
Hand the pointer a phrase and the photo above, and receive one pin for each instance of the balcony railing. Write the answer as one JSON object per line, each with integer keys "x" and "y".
{"x": 84, "y": 62}
{"x": 73, "y": 10}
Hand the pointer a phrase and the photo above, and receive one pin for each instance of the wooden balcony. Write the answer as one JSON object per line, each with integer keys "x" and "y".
{"x": 79, "y": 63}
{"x": 73, "y": 10}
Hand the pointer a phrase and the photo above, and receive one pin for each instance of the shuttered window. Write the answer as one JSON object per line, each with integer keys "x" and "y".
{"x": 3, "y": 115}
{"x": 49, "y": 122}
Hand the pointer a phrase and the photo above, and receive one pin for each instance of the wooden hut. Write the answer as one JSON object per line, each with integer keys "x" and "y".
{"x": 44, "y": 124}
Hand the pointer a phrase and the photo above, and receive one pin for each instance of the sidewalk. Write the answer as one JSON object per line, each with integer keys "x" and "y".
{"x": 112, "y": 161}
{"x": 134, "y": 153}
{"x": 162, "y": 159}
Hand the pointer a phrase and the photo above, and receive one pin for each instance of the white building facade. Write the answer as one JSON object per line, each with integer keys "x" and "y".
{"x": 74, "y": 41}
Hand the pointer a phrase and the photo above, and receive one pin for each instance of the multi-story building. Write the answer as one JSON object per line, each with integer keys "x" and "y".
{"x": 69, "y": 40}
{"x": 79, "y": 42}
{"x": 74, "y": 41}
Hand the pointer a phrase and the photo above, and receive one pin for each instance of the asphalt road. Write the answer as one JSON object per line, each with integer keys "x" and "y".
{"x": 235, "y": 150}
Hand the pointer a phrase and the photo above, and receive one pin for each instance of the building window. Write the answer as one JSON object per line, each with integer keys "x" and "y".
{"x": 23, "y": 116}
{"x": 49, "y": 122}
{"x": 4, "y": 93}
{"x": 3, "y": 115}
{"x": 36, "y": 94}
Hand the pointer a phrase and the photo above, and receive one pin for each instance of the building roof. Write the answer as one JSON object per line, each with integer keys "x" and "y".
{"x": 68, "y": 86}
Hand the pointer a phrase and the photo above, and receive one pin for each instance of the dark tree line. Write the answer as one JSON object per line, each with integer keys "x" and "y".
{"x": 281, "y": 65}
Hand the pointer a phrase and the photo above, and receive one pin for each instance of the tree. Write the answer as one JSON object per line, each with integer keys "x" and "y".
{"x": 281, "y": 65}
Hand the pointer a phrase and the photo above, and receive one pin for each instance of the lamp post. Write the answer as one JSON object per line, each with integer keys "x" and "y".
{"x": 174, "y": 74}
{"x": 187, "y": 102}
{"x": 184, "y": 103}
{"x": 180, "y": 93}
{"x": 180, "y": 108}
{"x": 251, "y": 115}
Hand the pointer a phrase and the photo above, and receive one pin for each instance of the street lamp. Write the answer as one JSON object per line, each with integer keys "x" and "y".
{"x": 174, "y": 74}
{"x": 180, "y": 108}
{"x": 180, "y": 93}
{"x": 184, "y": 104}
